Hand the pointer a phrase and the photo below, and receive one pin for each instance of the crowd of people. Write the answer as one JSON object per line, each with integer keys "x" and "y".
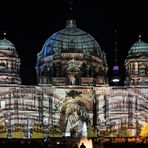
{"x": 26, "y": 143}
{"x": 52, "y": 143}
{"x": 81, "y": 146}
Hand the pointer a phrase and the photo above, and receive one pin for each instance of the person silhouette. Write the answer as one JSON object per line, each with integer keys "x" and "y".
{"x": 82, "y": 146}
{"x": 76, "y": 146}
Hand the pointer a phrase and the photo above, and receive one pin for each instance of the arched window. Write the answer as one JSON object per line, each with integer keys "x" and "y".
{"x": 142, "y": 70}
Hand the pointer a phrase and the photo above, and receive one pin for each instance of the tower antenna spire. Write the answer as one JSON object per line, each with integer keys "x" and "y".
{"x": 115, "y": 67}
{"x": 116, "y": 77}
{"x": 115, "y": 46}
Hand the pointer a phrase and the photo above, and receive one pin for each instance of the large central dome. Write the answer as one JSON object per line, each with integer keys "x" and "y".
{"x": 65, "y": 59}
{"x": 71, "y": 39}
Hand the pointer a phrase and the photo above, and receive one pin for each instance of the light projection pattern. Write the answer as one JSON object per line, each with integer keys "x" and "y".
{"x": 122, "y": 112}
{"x": 26, "y": 108}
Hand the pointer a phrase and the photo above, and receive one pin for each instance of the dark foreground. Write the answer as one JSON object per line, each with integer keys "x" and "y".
{"x": 63, "y": 143}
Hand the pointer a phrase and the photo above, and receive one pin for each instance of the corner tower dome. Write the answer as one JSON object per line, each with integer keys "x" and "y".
{"x": 71, "y": 49}
{"x": 9, "y": 63}
{"x": 136, "y": 64}
{"x": 139, "y": 47}
{"x": 6, "y": 44}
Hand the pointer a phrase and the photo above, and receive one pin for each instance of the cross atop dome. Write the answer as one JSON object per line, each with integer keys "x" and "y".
{"x": 4, "y": 34}
{"x": 71, "y": 3}
{"x": 139, "y": 36}
{"x": 71, "y": 22}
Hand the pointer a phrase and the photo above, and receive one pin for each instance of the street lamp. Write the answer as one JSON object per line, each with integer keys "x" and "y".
{"x": 8, "y": 126}
{"x": 27, "y": 129}
{"x": 45, "y": 127}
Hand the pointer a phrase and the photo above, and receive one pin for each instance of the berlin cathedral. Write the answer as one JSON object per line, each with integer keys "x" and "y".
{"x": 72, "y": 96}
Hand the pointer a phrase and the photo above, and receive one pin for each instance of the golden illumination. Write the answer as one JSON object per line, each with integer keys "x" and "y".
{"x": 87, "y": 142}
{"x": 144, "y": 130}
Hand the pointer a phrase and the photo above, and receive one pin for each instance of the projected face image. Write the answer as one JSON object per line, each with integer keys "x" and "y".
{"x": 75, "y": 116}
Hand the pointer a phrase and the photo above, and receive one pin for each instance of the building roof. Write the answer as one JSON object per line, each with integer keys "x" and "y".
{"x": 138, "y": 47}
{"x": 6, "y": 44}
{"x": 71, "y": 39}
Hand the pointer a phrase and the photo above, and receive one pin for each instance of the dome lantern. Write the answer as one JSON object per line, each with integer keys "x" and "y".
{"x": 70, "y": 23}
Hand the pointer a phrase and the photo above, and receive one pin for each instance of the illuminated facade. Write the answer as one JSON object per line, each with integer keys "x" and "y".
{"x": 73, "y": 89}
{"x": 136, "y": 64}
{"x": 9, "y": 63}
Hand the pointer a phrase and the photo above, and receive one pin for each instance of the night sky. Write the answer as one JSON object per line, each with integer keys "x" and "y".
{"x": 29, "y": 25}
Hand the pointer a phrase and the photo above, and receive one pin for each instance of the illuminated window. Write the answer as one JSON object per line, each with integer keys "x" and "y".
{"x": 136, "y": 68}
{"x": 142, "y": 71}
{"x": 2, "y": 104}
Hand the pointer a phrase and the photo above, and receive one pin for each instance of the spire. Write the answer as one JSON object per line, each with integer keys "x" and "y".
{"x": 116, "y": 77}
{"x": 71, "y": 22}
{"x": 115, "y": 46}
{"x": 139, "y": 36}
{"x": 3, "y": 35}
{"x": 116, "y": 67}
{"x": 71, "y": 4}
